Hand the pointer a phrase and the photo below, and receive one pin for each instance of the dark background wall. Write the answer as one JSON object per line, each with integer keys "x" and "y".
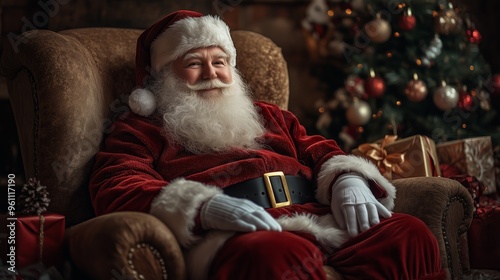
{"x": 279, "y": 20}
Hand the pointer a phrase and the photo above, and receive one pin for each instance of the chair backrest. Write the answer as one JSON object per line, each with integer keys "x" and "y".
{"x": 67, "y": 87}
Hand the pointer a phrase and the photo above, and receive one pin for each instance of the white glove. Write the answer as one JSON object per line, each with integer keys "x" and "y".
{"x": 229, "y": 213}
{"x": 353, "y": 205}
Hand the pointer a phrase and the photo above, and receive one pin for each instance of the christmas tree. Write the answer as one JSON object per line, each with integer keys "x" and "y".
{"x": 399, "y": 68}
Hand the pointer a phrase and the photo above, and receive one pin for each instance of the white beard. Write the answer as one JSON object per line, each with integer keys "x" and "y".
{"x": 205, "y": 125}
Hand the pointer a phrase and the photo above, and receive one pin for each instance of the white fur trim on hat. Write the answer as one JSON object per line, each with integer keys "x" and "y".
{"x": 142, "y": 102}
{"x": 191, "y": 33}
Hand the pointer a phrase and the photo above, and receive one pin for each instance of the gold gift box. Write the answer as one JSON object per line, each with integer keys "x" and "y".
{"x": 471, "y": 156}
{"x": 414, "y": 156}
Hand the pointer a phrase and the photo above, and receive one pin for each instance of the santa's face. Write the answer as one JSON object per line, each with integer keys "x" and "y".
{"x": 207, "y": 113}
{"x": 203, "y": 69}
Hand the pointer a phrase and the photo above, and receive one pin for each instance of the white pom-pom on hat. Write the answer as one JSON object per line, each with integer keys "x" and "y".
{"x": 142, "y": 102}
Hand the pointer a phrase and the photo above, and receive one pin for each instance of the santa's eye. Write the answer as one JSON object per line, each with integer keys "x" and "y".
{"x": 221, "y": 62}
{"x": 193, "y": 63}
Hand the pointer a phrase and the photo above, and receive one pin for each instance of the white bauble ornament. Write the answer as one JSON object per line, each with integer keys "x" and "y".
{"x": 359, "y": 113}
{"x": 445, "y": 97}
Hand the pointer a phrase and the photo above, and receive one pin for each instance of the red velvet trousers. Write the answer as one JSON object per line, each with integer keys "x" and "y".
{"x": 401, "y": 247}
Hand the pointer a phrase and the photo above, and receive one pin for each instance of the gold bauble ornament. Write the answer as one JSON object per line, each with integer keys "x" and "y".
{"x": 337, "y": 47}
{"x": 378, "y": 30}
{"x": 447, "y": 22}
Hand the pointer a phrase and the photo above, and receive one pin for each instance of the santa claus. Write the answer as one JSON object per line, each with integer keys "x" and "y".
{"x": 247, "y": 193}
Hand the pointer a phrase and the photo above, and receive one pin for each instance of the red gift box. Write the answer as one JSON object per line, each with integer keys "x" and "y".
{"x": 40, "y": 239}
{"x": 474, "y": 187}
{"x": 483, "y": 241}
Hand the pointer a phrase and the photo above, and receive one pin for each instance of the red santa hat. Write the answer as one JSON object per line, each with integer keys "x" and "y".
{"x": 168, "y": 39}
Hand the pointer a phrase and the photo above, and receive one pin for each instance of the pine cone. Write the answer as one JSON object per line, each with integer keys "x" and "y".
{"x": 34, "y": 198}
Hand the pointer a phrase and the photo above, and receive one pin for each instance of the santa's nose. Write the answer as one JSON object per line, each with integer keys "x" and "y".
{"x": 209, "y": 72}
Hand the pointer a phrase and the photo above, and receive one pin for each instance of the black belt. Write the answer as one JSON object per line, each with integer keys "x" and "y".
{"x": 274, "y": 189}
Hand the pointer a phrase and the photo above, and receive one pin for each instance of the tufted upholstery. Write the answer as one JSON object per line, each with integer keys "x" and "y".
{"x": 66, "y": 89}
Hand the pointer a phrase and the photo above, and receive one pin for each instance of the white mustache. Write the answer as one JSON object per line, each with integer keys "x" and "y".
{"x": 204, "y": 85}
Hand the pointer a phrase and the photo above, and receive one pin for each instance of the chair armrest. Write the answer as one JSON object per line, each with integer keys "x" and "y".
{"x": 65, "y": 89}
{"x": 125, "y": 245}
{"x": 445, "y": 206}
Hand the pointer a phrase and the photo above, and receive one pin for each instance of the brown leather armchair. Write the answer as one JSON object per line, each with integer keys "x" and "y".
{"x": 66, "y": 89}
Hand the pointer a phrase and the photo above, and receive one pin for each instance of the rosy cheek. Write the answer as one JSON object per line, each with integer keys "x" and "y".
{"x": 189, "y": 76}
{"x": 228, "y": 77}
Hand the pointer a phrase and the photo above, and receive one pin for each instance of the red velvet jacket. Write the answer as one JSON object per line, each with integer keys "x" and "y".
{"x": 137, "y": 161}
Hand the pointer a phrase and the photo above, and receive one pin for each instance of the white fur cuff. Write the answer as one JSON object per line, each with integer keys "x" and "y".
{"x": 177, "y": 206}
{"x": 322, "y": 227}
{"x": 351, "y": 163}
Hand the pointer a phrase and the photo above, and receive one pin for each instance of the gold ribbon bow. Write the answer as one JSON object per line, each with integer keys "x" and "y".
{"x": 386, "y": 163}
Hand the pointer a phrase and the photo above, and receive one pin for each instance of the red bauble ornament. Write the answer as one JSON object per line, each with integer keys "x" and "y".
{"x": 416, "y": 90}
{"x": 375, "y": 86}
{"x": 474, "y": 35}
{"x": 355, "y": 86}
{"x": 407, "y": 21}
{"x": 495, "y": 83}
{"x": 466, "y": 101}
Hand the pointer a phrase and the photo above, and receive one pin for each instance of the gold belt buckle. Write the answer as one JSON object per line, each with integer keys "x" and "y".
{"x": 270, "y": 191}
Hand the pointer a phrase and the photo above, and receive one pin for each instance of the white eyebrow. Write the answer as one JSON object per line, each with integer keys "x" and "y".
{"x": 192, "y": 55}
{"x": 198, "y": 55}
{"x": 221, "y": 55}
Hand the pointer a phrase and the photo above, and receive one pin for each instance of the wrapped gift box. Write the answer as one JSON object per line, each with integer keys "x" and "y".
{"x": 483, "y": 241}
{"x": 474, "y": 187}
{"x": 40, "y": 239}
{"x": 402, "y": 158}
{"x": 471, "y": 156}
